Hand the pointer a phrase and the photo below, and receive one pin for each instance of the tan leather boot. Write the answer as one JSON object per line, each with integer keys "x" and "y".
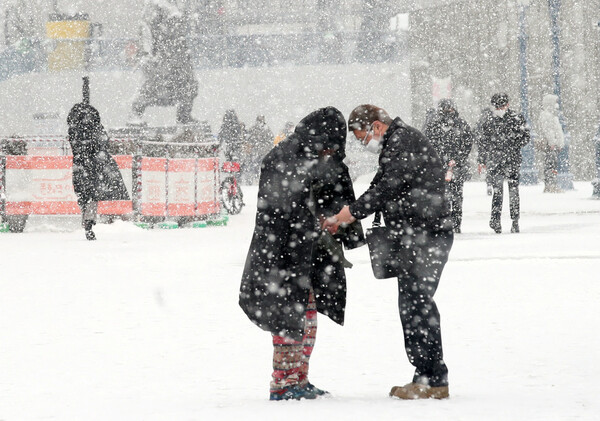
{"x": 419, "y": 391}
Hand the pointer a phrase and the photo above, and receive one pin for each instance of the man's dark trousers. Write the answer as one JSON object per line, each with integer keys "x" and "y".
{"x": 511, "y": 174}
{"x": 418, "y": 312}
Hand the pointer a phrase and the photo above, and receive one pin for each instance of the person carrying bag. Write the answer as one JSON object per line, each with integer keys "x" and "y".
{"x": 408, "y": 191}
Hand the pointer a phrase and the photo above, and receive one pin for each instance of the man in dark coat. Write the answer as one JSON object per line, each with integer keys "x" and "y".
{"x": 408, "y": 190}
{"x": 293, "y": 269}
{"x": 96, "y": 176}
{"x": 451, "y": 137}
{"x": 502, "y": 137}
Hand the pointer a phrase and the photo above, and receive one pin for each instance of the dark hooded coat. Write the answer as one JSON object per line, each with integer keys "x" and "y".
{"x": 96, "y": 175}
{"x": 287, "y": 255}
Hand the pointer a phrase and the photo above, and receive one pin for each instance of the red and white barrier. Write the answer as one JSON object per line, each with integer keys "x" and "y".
{"x": 154, "y": 187}
{"x": 207, "y": 182}
{"x": 42, "y": 185}
{"x": 179, "y": 186}
{"x": 164, "y": 187}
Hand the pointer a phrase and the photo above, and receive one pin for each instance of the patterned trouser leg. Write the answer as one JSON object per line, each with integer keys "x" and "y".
{"x": 310, "y": 335}
{"x": 291, "y": 358}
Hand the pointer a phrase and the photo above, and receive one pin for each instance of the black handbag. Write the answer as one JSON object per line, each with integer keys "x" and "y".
{"x": 385, "y": 250}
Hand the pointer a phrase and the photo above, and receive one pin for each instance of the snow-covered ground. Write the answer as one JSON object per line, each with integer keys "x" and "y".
{"x": 144, "y": 325}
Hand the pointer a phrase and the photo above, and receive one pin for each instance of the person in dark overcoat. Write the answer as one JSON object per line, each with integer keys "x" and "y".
{"x": 231, "y": 136}
{"x": 408, "y": 191}
{"x": 503, "y": 135}
{"x": 96, "y": 176}
{"x": 452, "y": 139}
{"x": 260, "y": 141}
{"x": 293, "y": 269}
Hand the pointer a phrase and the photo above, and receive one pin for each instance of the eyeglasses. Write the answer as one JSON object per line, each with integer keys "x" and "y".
{"x": 364, "y": 139}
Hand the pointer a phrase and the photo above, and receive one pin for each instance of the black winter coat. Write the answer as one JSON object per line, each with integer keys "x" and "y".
{"x": 96, "y": 175}
{"x": 502, "y": 139}
{"x": 286, "y": 257}
{"x": 452, "y": 139}
{"x": 408, "y": 188}
{"x": 231, "y": 136}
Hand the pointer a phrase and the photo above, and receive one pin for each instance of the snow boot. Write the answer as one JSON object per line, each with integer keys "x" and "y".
{"x": 495, "y": 225}
{"x": 89, "y": 234}
{"x": 515, "y": 226}
{"x": 319, "y": 392}
{"x": 294, "y": 392}
{"x": 419, "y": 391}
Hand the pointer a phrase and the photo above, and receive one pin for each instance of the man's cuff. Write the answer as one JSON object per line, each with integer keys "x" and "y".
{"x": 357, "y": 212}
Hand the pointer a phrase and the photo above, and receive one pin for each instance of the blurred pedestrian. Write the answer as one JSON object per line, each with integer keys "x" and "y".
{"x": 231, "y": 136}
{"x": 452, "y": 139}
{"x": 288, "y": 129}
{"x": 260, "y": 142}
{"x": 550, "y": 141}
{"x": 503, "y": 136}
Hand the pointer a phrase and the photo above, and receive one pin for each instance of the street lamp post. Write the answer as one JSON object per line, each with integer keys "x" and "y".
{"x": 528, "y": 170}
{"x": 564, "y": 178}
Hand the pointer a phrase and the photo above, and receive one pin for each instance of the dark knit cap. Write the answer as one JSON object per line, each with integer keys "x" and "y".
{"x": 499, "y": 100}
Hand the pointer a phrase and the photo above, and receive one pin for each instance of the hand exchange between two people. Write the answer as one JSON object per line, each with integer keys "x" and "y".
{"x": 344, "y": 217}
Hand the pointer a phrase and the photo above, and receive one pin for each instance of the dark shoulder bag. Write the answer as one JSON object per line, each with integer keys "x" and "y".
{"x": 384, "y": 249}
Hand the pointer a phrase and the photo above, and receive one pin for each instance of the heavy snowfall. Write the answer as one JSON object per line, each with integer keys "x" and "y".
{"x": 144, "y": 323}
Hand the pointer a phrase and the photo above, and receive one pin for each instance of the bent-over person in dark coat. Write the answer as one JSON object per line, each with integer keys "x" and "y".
{"x": 293, "y": 270}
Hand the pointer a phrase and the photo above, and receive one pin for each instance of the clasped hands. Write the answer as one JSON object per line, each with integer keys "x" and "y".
{"x": 344, "y": 217}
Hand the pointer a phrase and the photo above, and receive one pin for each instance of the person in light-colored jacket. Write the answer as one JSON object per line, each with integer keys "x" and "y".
{"x": 551, "y": 140}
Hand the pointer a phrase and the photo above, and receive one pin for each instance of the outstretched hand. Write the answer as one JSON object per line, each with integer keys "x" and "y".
{"x": 344, "y": 217}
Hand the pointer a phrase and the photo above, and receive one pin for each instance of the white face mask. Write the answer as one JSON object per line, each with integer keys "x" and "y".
{"x": 374, "y": 145}
{"x": 499, "y": 113}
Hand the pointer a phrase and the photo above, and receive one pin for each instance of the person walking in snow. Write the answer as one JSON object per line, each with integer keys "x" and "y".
{"x": 551, "y": 140}
{"x": 451, "y": 137}
{"x": 409, "y": 191}
{"x": 503, "y": 136}
{"x": 96, "y": 176}
{"x": 293, "y": 270}
{"x": 260, "y": 142}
